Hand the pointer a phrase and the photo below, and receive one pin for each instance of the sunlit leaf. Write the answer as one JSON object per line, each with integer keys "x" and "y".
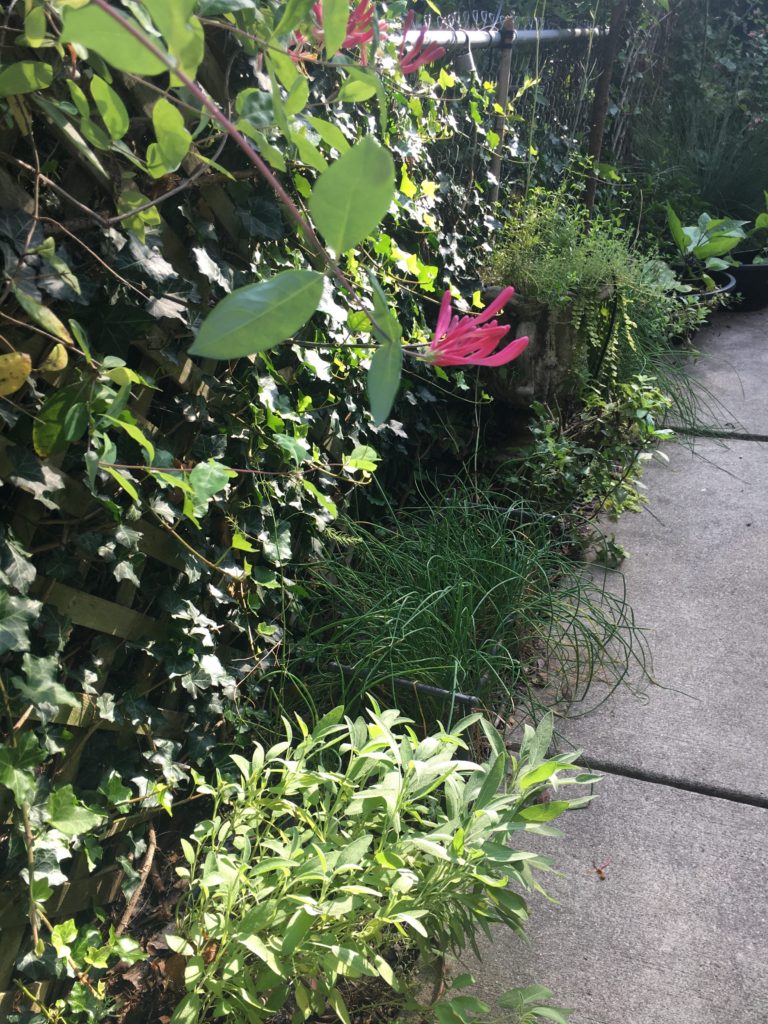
{"x": 25, "y": 76}
{"x": 97, "y": 30}
{"x": 353, "y": 195}
{"x": 15, "y": 367}
{"x": 259, "y": 316}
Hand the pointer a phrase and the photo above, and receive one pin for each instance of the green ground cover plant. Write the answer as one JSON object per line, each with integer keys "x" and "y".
{"x": 468, "y": 594}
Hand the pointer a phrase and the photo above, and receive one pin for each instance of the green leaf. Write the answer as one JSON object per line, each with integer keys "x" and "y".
{"x": 297, "y": 929}
{"x": 206, "y": 480}
{"x": 518, "y": 998}
{"x": 294, "y": 13}
{"x": 40, "y": 684}
{"x": 256, "y": 945}
{"x": 135, "y": 433}
{"x": 294, "y": 448}
{"x": 559, "y": 1016}
{"x": 121, "y": 479}
{"x": 386, "y": 327}
{"x": 113, "y": 789}
{"x": 110, "y": 107}
{"x": 188, "y": 1010}
{"x": 79, "y": 98}
{"x": 353, "y": 195}
{"x": 97, "y": 30}
{"x": 25, "y": 76}
{"x": 173, "y": 139}
{"x": 540, "y": 774}
{"x": 335, "y": 17}
{"x": 68, "y": 815}
{"x": 348, "y": 962}
{"x": 42, "y": 316}
{"x": 297, "y": 97}
{"x": 259, "y": 316}
{"x": 363, "y": 458}
{"x": 384, "y": 380}
{"x": 544, "y": 812}
{"x": 63, "y": 936}
{"x": 333, "y": 136}
{"x": 182, "y": 32}
{"x": 35, "y": 28}
{"x": 16, "y": 614}
{"x": 309, "y": 154}
{"x": 762, "y": 221}
{"x": 61, "y": 420}
{"x": 676, "y": 227}
{"x": 492, "y": 781}
{"x": 360, "y": 85}
{"x": 17, "y": 766}
{"x": 208, "y": 8}
{"x": 336, "y": 1000}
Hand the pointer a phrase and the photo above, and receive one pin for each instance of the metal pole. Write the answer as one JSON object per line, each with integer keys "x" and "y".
{"x": 480, "y": 39}
{"x": 502, "y": 97}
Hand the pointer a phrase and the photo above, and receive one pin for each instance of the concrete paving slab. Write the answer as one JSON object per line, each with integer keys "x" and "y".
{"x": 677, "y": 932}
{"x": 734, "y": 368}
{"x": 697, "y": 579}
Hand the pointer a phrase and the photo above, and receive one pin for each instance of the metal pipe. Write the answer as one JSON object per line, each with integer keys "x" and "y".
{"x": 481, "y": 39}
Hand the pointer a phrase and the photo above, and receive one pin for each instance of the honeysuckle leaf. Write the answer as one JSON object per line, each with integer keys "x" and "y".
{"x": 353, "y": 195}
{"x": 259, "y": 316}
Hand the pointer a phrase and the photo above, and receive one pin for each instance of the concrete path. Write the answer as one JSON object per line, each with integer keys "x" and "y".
{"x": 677, "y": 932}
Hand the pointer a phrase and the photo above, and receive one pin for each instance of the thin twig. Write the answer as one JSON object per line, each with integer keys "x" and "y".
{"x": 94, "y": 255}
{"x": 56, "y": 188}
{"x": 146, "y": 867}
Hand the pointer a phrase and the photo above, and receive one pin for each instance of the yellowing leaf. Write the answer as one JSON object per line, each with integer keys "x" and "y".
{"x": 43, "y": 316}
{"x": 14, "y": 370}
{"x": 56, "y": 360}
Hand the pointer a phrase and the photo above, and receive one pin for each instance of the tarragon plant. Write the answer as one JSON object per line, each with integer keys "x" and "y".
{"x": 329, "y": 851}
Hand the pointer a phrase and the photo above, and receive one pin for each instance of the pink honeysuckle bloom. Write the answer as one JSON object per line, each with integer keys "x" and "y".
{"x": 359, "y": 26}
{"x": 469, "y": 340}
{"x": 418, "y": 55}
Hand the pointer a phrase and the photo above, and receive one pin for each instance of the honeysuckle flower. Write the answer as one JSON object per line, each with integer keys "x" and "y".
{"x": 470, "y": 340}
{"x": 359, "y": 25}
{"x": 418, "y": 55}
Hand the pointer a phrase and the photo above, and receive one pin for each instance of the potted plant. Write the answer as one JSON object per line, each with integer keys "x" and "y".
{"x": 701, "y": 248}
{"x": 751, "y": 270}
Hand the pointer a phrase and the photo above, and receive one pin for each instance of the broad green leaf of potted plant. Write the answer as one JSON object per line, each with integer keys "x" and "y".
{"x": 353, "y": 195}
{"x": 259, "y": 316}
{"x": 676, "y": 227}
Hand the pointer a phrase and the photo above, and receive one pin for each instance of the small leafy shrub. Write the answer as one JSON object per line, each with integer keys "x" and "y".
{"x": 591, "y": 462}
{"x": 329, "y": 852}
{"x": 622, "y": 298}
{"x": 468, "y": 596}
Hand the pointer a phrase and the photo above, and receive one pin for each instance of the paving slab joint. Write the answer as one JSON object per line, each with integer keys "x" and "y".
{"x": 685, "y": 785}
{"x": 725, "y": 435}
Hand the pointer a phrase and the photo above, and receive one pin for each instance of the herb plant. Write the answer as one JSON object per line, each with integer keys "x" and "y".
{"x": 330, "y": 850}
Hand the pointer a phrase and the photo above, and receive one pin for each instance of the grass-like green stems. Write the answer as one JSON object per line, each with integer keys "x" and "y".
{"x": 468, "y": 596}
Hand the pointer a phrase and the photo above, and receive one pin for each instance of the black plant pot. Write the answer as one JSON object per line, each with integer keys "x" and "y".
{"x": 751, "y": 284}
{"x": 724, "y": 283}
